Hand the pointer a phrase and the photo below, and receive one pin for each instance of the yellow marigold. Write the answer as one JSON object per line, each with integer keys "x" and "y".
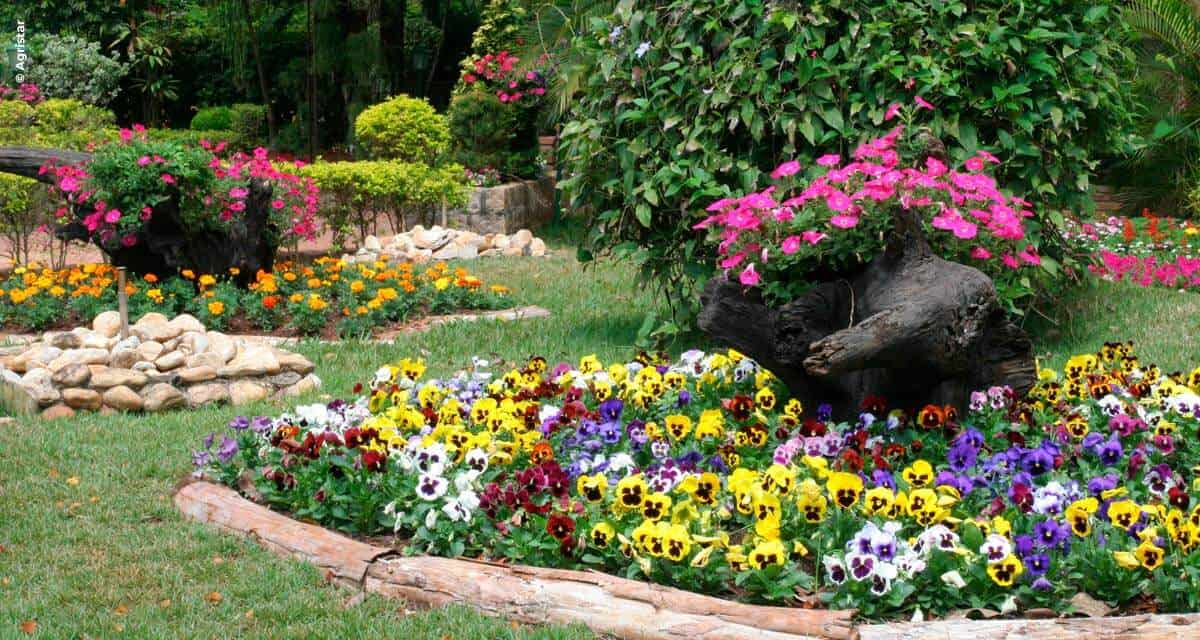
{"x": 296, "y": 297}
{"x": 316, "y": 303}
{"x": 441, "y": 283}
{"x": 289, "y": 276}
{"x": 216, "y": 307}
{"x": 57, "y": 291}
{"x": 314, "y": 283}
{"x": 357, "y": 286}
{"x": 207, "y": 280}
{"x": 388, "y": 293}
{"x": 187, "y": 273}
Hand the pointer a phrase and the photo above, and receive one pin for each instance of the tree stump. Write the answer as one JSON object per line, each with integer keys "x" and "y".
{"x": 164, "y": 245}
{"x": 910, "y": 327}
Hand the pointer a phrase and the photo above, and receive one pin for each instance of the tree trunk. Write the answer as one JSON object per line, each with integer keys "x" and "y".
{"x": 272, "y": 133}
{"x": 165, "y": 245}
{"x": 911, "y": 327}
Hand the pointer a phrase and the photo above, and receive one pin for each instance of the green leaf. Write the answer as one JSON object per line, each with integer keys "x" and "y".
{"x": 642, "y": 211}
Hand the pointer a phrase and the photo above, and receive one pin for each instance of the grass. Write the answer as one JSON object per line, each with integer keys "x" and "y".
{"x": 92, "y": 546}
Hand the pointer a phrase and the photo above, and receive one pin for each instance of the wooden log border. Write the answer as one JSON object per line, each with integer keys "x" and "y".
{"x": 607, "y": 604}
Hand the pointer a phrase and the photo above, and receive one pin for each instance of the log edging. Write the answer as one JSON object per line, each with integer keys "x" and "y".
{"x": 607, "y": 604}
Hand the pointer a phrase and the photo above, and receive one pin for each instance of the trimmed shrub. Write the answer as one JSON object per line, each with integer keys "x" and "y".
{"x": 687, "y": 101}
{"x": 213, "y": 119}
{"x": 69, "y": 114}
{"x": 491, "y": 134}
{"x": 249, "y": 123}
{"x": 402, "y": 128}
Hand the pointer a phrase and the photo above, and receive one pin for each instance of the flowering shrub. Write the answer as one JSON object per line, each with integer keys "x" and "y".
{"x": 117, "y": 191}
{"x": 1150, "y": 250}
{"x": 701, "y": 473}
{"x": 778, "y": 238}
{"x": 500, "y": 73}
{"x": 28, "y": 93}
{"x": 328, "y": 297}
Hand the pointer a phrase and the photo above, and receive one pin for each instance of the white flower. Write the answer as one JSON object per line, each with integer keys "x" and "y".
{"x": 477, "y": 460}
{"x": 382, "y": 375}
{"x": 910, "y": 564}
{"x": 620, "y": 462}
{"x": 464, "y": 480}
{"x": 954, "y": 579}
{"x": 431, "y": 518}
{"x": 1009, "y": 605}
{"x": 548, "y": 411}
{"x": 995, "y": 548}
{"x": 642, "y": 49}
{"x": 615, "y": 34}
{"x": 834, "y": 569}
{"x": 861, "y": 565}
{"x": 432, "y": 487}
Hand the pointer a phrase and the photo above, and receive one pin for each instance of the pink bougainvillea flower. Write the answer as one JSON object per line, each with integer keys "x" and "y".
{"x": 988, "y": 157}
{"x": 112, "y": 216}
{"x": 974, "y": 164}
{"x": 813, "y": 237}
{"x": 790, "y": 245}
{"x": 829, "y": 160}
{"x": 143, "y": 161}
{"x": 139, "y": 128}
{"x": 749, "y": 276}
{"x": 980, "y": 253}
{"x": 923, "y": 103}
{"x": 167, "y": 178}
{"x": 129, "y": 240}
{"x": 843, "y": 221}
{"x": 238, "y": 192}
{"x": 838, "y": 201}
{"x": 732, "y": 261}
{"x": 789, "y": 168}
{"x": 69, "y": 184}
{"x": 893, "y": 110}
{"x": 146, "y": 213}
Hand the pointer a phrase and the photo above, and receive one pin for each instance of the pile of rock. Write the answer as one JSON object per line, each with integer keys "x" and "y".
{"x": 163, "y": 364}
{"x": 437, "y": 243}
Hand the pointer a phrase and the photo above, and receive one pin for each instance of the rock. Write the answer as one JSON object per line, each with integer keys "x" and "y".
{"x": 254, "y": 360}
{"x": 514, "y": 251}
{"x": 95, "y": 340}
{"x": 371, "y": 243}
{"x": 75, "y": 374}
{"x": 150, "y": 350}
{"x": 537, "y": 248}
{"x": 171, "y": 360}
{"x": 124, "y": 358}
{"x": 38, "y": 383}
{"x": 207, "y": 393}
{"x": 107, "y": 411}
{"x": 193, "y": 342}
{"x": 206, "y": 359}
{"x": 156, "y": 376}
{"x": 145, "y": 367}
{"x": 123, "y": 398}
{"x": 222, "y": 345}
{"x": 448, "y": 252}
{"x": 153, "y": 317}
{"x": 106, "y": 377}
{"x": 86, "y": 399}
{"x": 78, "y": 356}
{"x": 433, "y": 239}
{"x": 107, "y": 324}
{"x": 307, "y": 383}
{"x": 289, "y": 361}
{"x": 154, "y": 326}
{"x": 187, "y": 322}
{"x": 162, "y": 396}
{"x": 57, "y": 412}
{"x": 62, "y": 339}
{"x": 522, "y": 238}
{"x": 131, "y": 342}
{"x": 191, "y": 375}
{"x": 285, "y": 379}
{"x": 245, "y": 391}
{"x": 41, "y": 356}
{"x": 467, "y": 239}
{"x": 500, "y": 242}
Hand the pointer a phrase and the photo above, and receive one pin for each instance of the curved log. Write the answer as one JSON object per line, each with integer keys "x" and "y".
{"x": 164, "y": 244}
{"x": 910, "y": 327}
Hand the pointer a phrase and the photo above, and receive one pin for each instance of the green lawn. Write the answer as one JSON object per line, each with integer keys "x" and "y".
{"x": 92, "y": 546}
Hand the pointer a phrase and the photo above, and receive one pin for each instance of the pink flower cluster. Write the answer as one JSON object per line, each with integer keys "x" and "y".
{"x": 300, "y": 195}
{"x": 499, "y": 71}
{"x": 1182, "y": 272}
{"x": 966, "y": 204}
{"x": 27, "y": 93}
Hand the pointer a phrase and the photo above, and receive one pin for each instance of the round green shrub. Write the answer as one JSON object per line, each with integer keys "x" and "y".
{"x": 213, "y": 119}
{"x": 66, "y": 66}
{"x": 487, "y": 133}
{"x": 402, "y": 128}
{"x": 249, "y": 122}
{"x": 682, "y": 102}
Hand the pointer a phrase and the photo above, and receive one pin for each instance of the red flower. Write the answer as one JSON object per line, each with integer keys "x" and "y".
{"x": 931, "y": 417}
{"x": 1178, "y": 498}
{"x": 374, "y": 460}
{"x": 561, "y": 526}
{"x": 874, "y": 404}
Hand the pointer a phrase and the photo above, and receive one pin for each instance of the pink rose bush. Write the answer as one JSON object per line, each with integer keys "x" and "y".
{"x": 776, "y": 238}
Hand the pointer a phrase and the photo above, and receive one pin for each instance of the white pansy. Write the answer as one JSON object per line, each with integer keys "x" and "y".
{"x": 954, "y": 579}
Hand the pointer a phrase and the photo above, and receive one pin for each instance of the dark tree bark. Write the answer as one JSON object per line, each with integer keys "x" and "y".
{"x": 164, "y": 245}
{"x": 272, "y": 132}
{"x": 910, "y": 327}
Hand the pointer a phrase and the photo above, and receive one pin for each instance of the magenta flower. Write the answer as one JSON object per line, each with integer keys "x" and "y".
{"x": 789, "y": 168}
{"x": 749, "y": 276}
{"x": 167, "y": 178}
{"x": 790, "y": 245}
{"x": 143, "y": 161}
{"x": 813, "y": 237}
{"x": 844, "y": 221}
{"x": 923, "y": 103}
{"x": 829, "y": 160}
{"x": 892, "y": 111}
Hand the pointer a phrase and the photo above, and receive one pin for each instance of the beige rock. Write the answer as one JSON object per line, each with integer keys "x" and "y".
{"x": 153, "y": 317}
{"x": 107, "y": 411}
{"x": 371, "y": 243}
{"x": 193, "y": 342}
{"x": 162, "y": 396}
{"x": 285, "y": 379}
{"x": 245, "y": 391}
{"x": 75, "y": 374}
{"x": 172, "y": 360}
{"x": 145, "y": 367}
{"x": 82, "y": 399}
{"x": 107, "y": 324}
{"x": 37, "y": 383}
{"x": 58, "y": 412}
{"x": 106, "y": 377}
{"x": 41, "y": 355}
{"x": 289, "y": 361}
{"x": 61, "y": 339}
{"x": 187, "y": 322}
{"x": 207, "y": 393}
{"x": 222, "y": 345}
{"x": 78, "y": 356}
{"x": 191, "y": 375}
{"x": 155, "y": 326}
{"x": 150, "y": 350}
{"x": 95, "y": 340}
{"x": 307, "y": 383}
{"x": 254, "y": 360}
{"x": 537, "y": 248}
{"x": 124, "y": 358}
{"x": 514, "y": 251}
{"x": 206, "y": 359}
{"x": 123, "y": 398}
{"x": 501, "y": 242}
{"x": 522, "y": 238}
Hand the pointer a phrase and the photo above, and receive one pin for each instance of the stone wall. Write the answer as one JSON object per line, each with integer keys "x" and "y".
{"x": 163, "y": 364}
{"x": 506, "y": 208}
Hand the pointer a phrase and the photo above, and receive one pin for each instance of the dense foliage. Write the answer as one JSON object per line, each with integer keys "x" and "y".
{"x": 402, "y": 128}
{"x": 701, "y": 473}
{"x": 490, "y": 134}
{"x": 684, "y": 102}
{"x": 68, "y": 66}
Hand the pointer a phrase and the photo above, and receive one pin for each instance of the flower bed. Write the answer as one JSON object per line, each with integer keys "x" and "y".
{"x": 701, "y": 474}
{"x": 1150, "y": 250}
{"x": 326, "y": 298}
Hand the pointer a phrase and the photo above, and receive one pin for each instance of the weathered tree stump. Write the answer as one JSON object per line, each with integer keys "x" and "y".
{"x": 164, "y": 245}
{"x": 910, "y": 327}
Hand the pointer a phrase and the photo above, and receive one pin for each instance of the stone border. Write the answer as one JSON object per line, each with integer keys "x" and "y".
{"x": 532, "y": 595}
{"x": 604, "y": 603}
